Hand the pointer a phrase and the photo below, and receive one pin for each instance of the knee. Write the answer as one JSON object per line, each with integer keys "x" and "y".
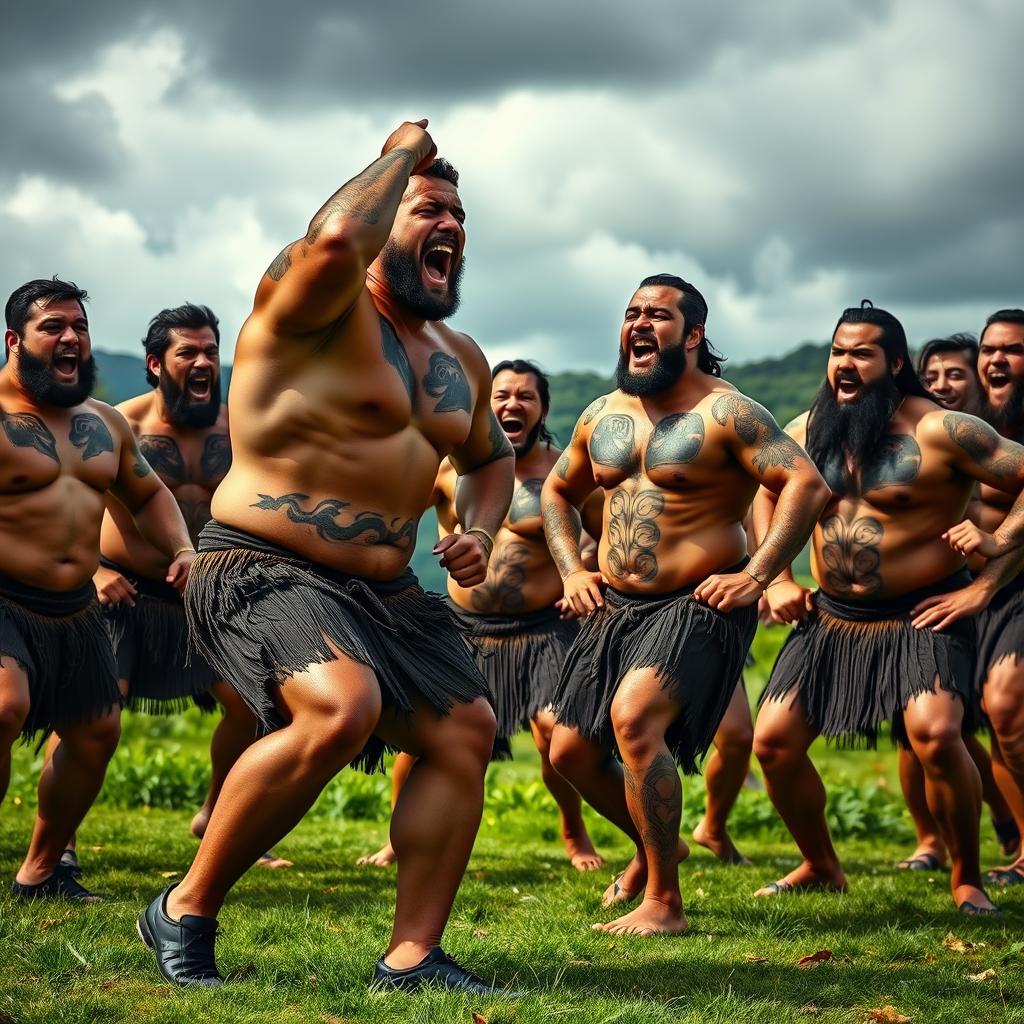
{"x": 334, "y": 736}
{"x": 476, "y": 728}
{"x": 568, "y": 751}
{"x": 935, "y": 741}
{"x": 95, "y": 742}
{"x": 773, "y": 750}
{"x": 636, "y": 735}
{"x": 14, "y": 710}
{"x": 1004, "y": 706}
{"x": 735, "y": 741}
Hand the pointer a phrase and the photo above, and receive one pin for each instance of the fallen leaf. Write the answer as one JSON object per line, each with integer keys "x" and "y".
{"x": 95, "y": 849}
{"x": 699, "y": 893}
{"x": 958, "y": 945}
{"x": 333, "y": 928}
{"x": 809, "y": 1011}
{"x": 480, "y": 933}
{"x": 984, "y": 976}
{"x": 17, "y": 801}
{"x": 815, "y": 958}
{"x": 47, "y": 922}
{"x": 611, "y": 945}
{"x": 479, "y": 874}
{"x": 888, "y": 1015}
{"x": 753, "y": 958}
{"x": 169, "y": 874}
{"x": 106, "y": 986}
{"x": 479, "y": 1018}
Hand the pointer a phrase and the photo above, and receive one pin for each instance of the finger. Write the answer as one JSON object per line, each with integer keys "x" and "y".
{"x": 422, "y": 123}
{"x": 928, "y": 602}
{"x": 586, "y": 601}
{"x": 595, "y": 595}
{"x": 809, "y": 600}
{"x": 926, "y": 618}
{"x": 445, "y": 543}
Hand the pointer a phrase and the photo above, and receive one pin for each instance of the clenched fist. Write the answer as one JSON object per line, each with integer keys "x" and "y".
{"x": 412, "y": 136}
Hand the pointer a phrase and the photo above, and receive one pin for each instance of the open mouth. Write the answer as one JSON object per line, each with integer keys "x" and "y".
{"x": 437, "y": 263}
{"x": 996, "y": 379}
{"x": 66, "y": 365}
{"x": 643, "y": 351}
{"x": 199, "y": 386}
{"x": 847, "y": 387}
{"x": 514, "y": 428}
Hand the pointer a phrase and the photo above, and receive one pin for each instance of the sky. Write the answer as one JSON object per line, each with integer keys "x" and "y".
{"x": 788, "y": 158}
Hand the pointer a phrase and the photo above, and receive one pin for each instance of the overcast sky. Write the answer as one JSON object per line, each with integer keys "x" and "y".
{"x": 789, "y": 158}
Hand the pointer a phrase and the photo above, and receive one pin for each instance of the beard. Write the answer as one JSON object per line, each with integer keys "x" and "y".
{"x": 1006, "y": 418}
{"x": 670, "y": 366}
{"x": 402, "y": 275}
{"x": 529, "y": 441}
{"x": 854, "y": 431}
{"x": 183, "y": 410}
{"x": 37, "y": 378}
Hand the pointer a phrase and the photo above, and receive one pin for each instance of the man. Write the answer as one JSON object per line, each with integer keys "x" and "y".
{"x": 181, "y": 428}
{"x": 512, "y": 620}
{"x": 347, "y": 391}
{"x": 890, "y": 637}
{"x": 62, "y": 452}
{"x": 948, "y": 369}
{"x": 679, "y": 455}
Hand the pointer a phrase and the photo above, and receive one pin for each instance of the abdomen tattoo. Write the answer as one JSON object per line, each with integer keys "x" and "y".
{"x": 362, "y": 527}
{"x": 633, "y": 533}
{"x": 851, "y": 553}
{"x": 502, "y": 591}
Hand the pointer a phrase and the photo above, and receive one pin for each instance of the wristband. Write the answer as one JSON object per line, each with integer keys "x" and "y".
{"x": 775, "y": 584}
{"x": 484, "y": 537}
{"x": 187, "y": 547}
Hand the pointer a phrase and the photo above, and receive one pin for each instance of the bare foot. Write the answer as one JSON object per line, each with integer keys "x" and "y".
{"x": 272, "y": 861}
{"x": 582, "y": 855}
{"x": 721, "y": 846}
{"x": 650, "y": 918}
{"x": 805, "y": 878}
{"x": 200, "y": 821}
{"x": 630, "y": 883}
{"x": 383, "y": 858}
{"x": 971, "y": 900}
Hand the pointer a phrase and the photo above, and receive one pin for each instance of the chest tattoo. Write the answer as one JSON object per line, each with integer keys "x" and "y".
{"x": 446, "y": 381}
{"x": 216, "y": 458}
{"x": 91, "y": 434}
{"x": 526, "y": 500}
{"x": 676, "y": 440}
{"x": 26, "y": 430}
{"x": 164, "y": 455}
{"x": 898, "y": 462}
{"x": 395, "y": 354}
{"x": 611, "y": 443}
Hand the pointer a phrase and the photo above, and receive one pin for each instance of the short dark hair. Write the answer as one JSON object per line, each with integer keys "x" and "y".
{"x": 158, "y": 337}
{"x": 893, "y": 341}
{"x": 441, "y": 168}
{"x": 695, "y": 311}
{"x": 16, "y": 312}
{"x": 963, "y": 341}
{"x": 1003, "y": 316}
{"x": 543, "y": 388}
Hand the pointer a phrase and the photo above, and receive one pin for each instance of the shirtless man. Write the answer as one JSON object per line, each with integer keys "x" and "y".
{"x": 61, "y": 452}
{"x": 948, "y": 369}
{"x": 679, "y": 455}
{"x": 886, "y": 637}
{"x": 513, "y": 619}
{"x": 347, "y": 392}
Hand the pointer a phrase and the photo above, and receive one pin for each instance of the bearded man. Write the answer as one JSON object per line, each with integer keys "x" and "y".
{"x": 678, "y": 454}
{"x": 888, "y": 635}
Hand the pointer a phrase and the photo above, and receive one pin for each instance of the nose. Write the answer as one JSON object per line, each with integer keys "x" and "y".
{"x": 450, "y": 225}
{"x": 202, "y": 361}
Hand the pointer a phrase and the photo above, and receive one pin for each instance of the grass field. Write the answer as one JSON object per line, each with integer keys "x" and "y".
{"x": 298, "y": 945}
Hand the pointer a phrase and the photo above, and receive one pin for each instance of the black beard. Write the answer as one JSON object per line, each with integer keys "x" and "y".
{"x": 403, "y": 278}
{"x": 529, "y": 441}
{"x": 1006, "y": 418}
{"x": 841, "y": 431}
{"x": 37, "y": 378}
{"x": 183, "y": 410}
{"x": 670, "y": 366}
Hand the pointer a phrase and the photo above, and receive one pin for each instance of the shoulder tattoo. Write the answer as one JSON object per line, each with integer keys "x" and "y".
{"x": 526, "y": 500}
{"x": 756, "y": 428}
{"x": 446, "y": 381}
{"x": 91, "y": 434}
{"x": 26, "y": 430}
{"x": 981, "y": 443}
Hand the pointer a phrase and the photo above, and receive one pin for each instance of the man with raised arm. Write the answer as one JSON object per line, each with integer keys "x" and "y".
{"x": 347, "y": 391}
{"x": 679, "y": 454}
{"x": 888, "y": 635}
{"x": 61, "y": 454}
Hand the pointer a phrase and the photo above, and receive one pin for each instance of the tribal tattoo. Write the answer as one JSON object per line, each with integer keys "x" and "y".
{"x": 676, "y": 440}
{"x": 658, "y": 794}
{"x": 164, "y": 455}
{"x": 593, "y": 409}
{"x": 140, "y": 467}
{"x": 446, "y": 381}
{"x": 526, "y": 500}
{"x": 26, "y": 430}
{"x": 362, "y": 528}
{"x": 502, "y": 591}
{"x": 216, "y": 458}
{"x": 562, "y": 466}
{"x": 91, "y": 434}
{"x": 897, "y": 462}
{"x": 851, "y": 553}
{"x": 633, "y": 533}
{"x": 981, "y": 443}
{"x": 611, "y": 443}
{"x": 562, "y": 530}
{"x": 755, "y": 427}
{"x": 282, "y": 263}
{"x": 500, "y": 444}
{"x": 395, "y": 354}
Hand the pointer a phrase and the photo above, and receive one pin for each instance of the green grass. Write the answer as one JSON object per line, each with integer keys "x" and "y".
{"x": 298, "y": 945}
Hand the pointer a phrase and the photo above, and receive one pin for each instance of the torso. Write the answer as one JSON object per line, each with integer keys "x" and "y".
{"x": 337, "y": 440}
{"x": 191, "y": 462}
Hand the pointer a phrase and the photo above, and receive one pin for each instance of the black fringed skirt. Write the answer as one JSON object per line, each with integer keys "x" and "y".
{"x": 1001, "y": 629}
{"x": 854, "y": 666}
{"x": 260, "y": 613}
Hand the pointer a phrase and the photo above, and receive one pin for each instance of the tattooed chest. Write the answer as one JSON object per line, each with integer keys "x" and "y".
{"x": 196, "y": 466}
{"x": 524, "y": 511}
{"x": 502, "y": 591}
{"x": 35, "y": 455}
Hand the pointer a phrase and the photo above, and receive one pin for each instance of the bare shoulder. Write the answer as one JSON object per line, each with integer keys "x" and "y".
{"x": 112, "y": 418}
{"x": 797, "y": 426}
{"x": 730, "y": 408}
{"x": 135, "y": 410}
{"x": 614, "y": 401}
{"x": 943, "y": 428}
{"x": 466, "y": 350}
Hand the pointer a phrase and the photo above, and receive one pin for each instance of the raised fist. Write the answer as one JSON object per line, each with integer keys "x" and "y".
{"x": 412, "y": 136}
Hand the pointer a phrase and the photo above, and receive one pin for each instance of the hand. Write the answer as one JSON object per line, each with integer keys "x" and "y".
{"x": 764, "y": 612}
{"x": 734, "y": 590}
{"x": 465, "y": 558}
{"x": 942, "y": 610}
{"x": 565, "y": 609}
{"x": 583, "y": 591}
{"x": 968, "y": 539}
{"x": 788, "y": 601}
{"x": 412, "y": 135}
{"x": 178, "y": 570}
{"x": 113, "y": 588}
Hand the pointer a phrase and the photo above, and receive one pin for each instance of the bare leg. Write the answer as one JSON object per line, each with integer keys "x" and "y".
{"x": 578, "y": 846}
{"x": 952, "y": 786}
{"x": 385, "y": 856}
{"x": 435, "y": 820}
{"x": 990, "y": 791}
{"x": 782, "y": 738}
{"x": 1004, "y": 704}
{"x": 333, "y": 708}
{"x": 929, "y": 840}
{"x": 1011, "y": 793}
{"x": 68, "y": 785}
{"x": 14, "y": 708}
{"x": 724, "y": 776}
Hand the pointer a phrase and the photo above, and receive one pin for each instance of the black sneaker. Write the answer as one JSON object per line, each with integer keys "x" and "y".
{"x": 436, "y": 968}
{"x": 184, "y": 949}
{"x": 61, "y": 885}
{"x": 69, "y": 860}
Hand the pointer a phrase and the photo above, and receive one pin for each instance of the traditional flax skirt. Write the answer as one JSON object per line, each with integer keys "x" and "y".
{"x": 60, "y": 642}
{"x": 260, "y": 613}
{"x": 521, "y": 657}
{"x": 698, "y": 654}
{"x": 1001, "y": 629}
{"x": 855, "y": 666}
{"x": 165, "y": 672}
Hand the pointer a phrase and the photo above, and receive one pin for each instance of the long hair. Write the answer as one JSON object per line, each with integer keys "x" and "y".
{"x": 543, "y": 390}
{"x": 695, "y": 311}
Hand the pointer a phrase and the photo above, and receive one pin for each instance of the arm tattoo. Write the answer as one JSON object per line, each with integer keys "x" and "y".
{"x": 851, "y": 553}
{"x": 526, "y": 500}
{"x": 140, "y": 467}
{"x": 395, "y": 354}
{"x": 897, "y": 462}
{"x": 658, "y": 794}
{"x": 363, "y": 528}
{"x": 593, "y": 409}
{"x": 446, "y": 381}
{"x": 562, "y": 467}
{"x": 164, "y": 455}
{"x": 981, "y": 443}
{"x": 26, "y": 430}
{"x": 500, "y": 444}
{"x": 633, "y": 533}
{"x": 611, "y": 443}
{"x": 91, "y": 434}
{"x": 562, "y": 530}
{"x": 756, "y": 428}
{"x": 502, "y": 591}
{"x": 676, "y": 440}
{"x": 282, "y": 263}
{"x": 216, "y": 458}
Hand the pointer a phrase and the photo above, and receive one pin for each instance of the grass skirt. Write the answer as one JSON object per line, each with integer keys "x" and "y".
{"x": 1001, "y": 629}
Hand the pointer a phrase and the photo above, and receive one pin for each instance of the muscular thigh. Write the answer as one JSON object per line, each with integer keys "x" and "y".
{"x": 641, "y": 700}
{"x": 783, "y": 723}
{"x": 14, "y": 692}
{"x": 426, "y": 732}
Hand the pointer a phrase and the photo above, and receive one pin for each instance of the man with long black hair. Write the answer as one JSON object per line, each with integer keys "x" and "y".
{"x": 888, "y": 636}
